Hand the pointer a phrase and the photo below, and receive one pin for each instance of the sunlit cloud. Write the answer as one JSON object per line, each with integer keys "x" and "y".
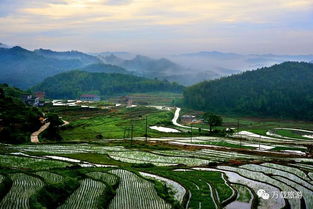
{"x": 187, "y": 24}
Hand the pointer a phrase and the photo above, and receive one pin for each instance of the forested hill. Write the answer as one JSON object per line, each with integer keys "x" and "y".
{"x": 284, "y": 91}
{"x": 24, "y": 68}
{"x": 18, "y": 120}
{"x": 74, "y": 83}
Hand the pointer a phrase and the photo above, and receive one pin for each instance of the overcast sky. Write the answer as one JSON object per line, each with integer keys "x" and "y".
{"x": 160, "y": 27}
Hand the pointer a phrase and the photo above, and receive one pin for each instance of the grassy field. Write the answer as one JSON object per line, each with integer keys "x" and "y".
{"x": 256, "y": 125}
{"x": 118, "y": 122}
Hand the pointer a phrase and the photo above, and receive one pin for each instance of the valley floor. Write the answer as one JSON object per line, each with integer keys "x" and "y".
{"x": 272, "y": 168}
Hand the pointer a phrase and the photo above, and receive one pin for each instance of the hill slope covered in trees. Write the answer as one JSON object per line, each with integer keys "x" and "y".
{"x": 24, "y": 68}
{"x": 73, "y": 84}
{"x": 17, "y": 120}
{"x": 284, "y": 90}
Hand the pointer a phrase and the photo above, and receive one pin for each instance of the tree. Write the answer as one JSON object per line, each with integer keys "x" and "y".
{"x": 212, "y": 120}
{"x": 52, "y": 132}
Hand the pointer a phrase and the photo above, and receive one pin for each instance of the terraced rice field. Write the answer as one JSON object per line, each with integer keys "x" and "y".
{"x": 195, "y": 178}
{"x": 178, "y": 190}
{"x": 29, "y": 163}
{"x": 86, "y": 196}
{"x": 244, "y": 198}
{"x": 110, "y": 179}
{"x": 49, "y": 177}
{"x": 23, "y": 187}
{"x": 159, "y": 160}
{"x": 135, "y": 192}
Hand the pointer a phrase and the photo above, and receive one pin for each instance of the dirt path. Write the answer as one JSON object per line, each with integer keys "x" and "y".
{"x": 64, "y": 123}
{"x": 34, "y": 136}
{"x": 175, "y": 118}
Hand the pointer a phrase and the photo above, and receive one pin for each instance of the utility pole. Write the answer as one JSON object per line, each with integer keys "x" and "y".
{"x": 238, "y": 124}
{"x": 191, "y": 132}
{"x": 146, "y": 135}
{"x": 132, "y": 133}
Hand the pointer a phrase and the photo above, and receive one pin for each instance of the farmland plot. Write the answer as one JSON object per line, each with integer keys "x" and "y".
{"x": 206, "y": 189}
{"x": 258, "y": 176}
{"x": 31, "y": 163}
{"x": 234, "y": 177}
{"x": 286, "y": 175}
{"x": 24, "y": 186}
{"x": 306, "y": 193}
{"x": 304, "y": 166}
{"x": 110, "y": 179}
{"x": 292, "y": 170}
{"x": 86, "y": 196}
{"x": 135, "y": 192}
{"x": 49, "y": 177}
{"x": 69, "y": 149}
{"x": 146, "y": 157}
{"x": 178, "y": 190}
{"x": 244, "y": 198}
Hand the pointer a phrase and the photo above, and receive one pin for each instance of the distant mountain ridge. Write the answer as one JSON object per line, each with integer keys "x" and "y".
{"x": 23, "y": 68}
{"x": 159, "y": 68}
{"x": 281, "y": 91}
{"x": 2, "y": 45}
{"x": 68, "y": 55}
{"x": 227, "y": 63}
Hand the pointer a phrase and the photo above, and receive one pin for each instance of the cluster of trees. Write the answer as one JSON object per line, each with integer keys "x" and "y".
{"x": 17, "y": 120}
{"x": 73, "y": 84}
{"x": 282, "y": 91}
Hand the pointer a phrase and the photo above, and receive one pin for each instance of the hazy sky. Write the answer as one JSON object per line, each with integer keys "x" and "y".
{"x": 160, "y": 26}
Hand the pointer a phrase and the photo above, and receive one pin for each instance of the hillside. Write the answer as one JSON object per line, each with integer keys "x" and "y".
{"x": 283, "y": 91}
{"x": 68, "y": 55}
{"x": 159, "y": 68}
{"x": 23, "y": 68}
{"x": 104, "y": 68}
{"x": 73, "y": 84}
{"x": 17, "y": 120}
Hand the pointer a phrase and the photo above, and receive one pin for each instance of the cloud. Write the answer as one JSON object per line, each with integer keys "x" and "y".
{"x": 192, "y": 23}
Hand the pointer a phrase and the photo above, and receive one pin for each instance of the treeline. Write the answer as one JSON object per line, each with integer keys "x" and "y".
{"x": 282, "y": 91}
{"x": 17, "y": 120}
{"x": 71, "y": 85}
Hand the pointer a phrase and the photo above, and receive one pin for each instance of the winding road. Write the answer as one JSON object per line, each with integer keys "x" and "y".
{"x": 34, "y": 136}
{"x": 175, "y": 118}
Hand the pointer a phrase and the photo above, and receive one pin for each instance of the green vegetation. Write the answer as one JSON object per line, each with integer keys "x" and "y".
{"x": 53, "y": 195}
{"x": 289, "y": 133}
{"x": 281, "y": 91}
{"x": 212, "y": 120}
{"x": 17, "y": 120}
{"x": 7, "y": 161}
{"x": 86, "y": 196}
{"x": 197, "y": 183}
{"x": 116, "y": 123}
{"x": 74, "y": 83}
{"x": 23, "y": 187}
{"x": 244, "y": 195}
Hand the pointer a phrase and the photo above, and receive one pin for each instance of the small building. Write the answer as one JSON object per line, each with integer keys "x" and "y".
{"x": 41, "y": 95}
{"x": 89, "y": 97}
{"x": 188, "y": 118}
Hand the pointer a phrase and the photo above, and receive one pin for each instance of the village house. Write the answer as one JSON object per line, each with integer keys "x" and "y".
{"x": 41, "y": 95}
{"x": 188, "y": 118}
{"x": 89, "y": 97}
